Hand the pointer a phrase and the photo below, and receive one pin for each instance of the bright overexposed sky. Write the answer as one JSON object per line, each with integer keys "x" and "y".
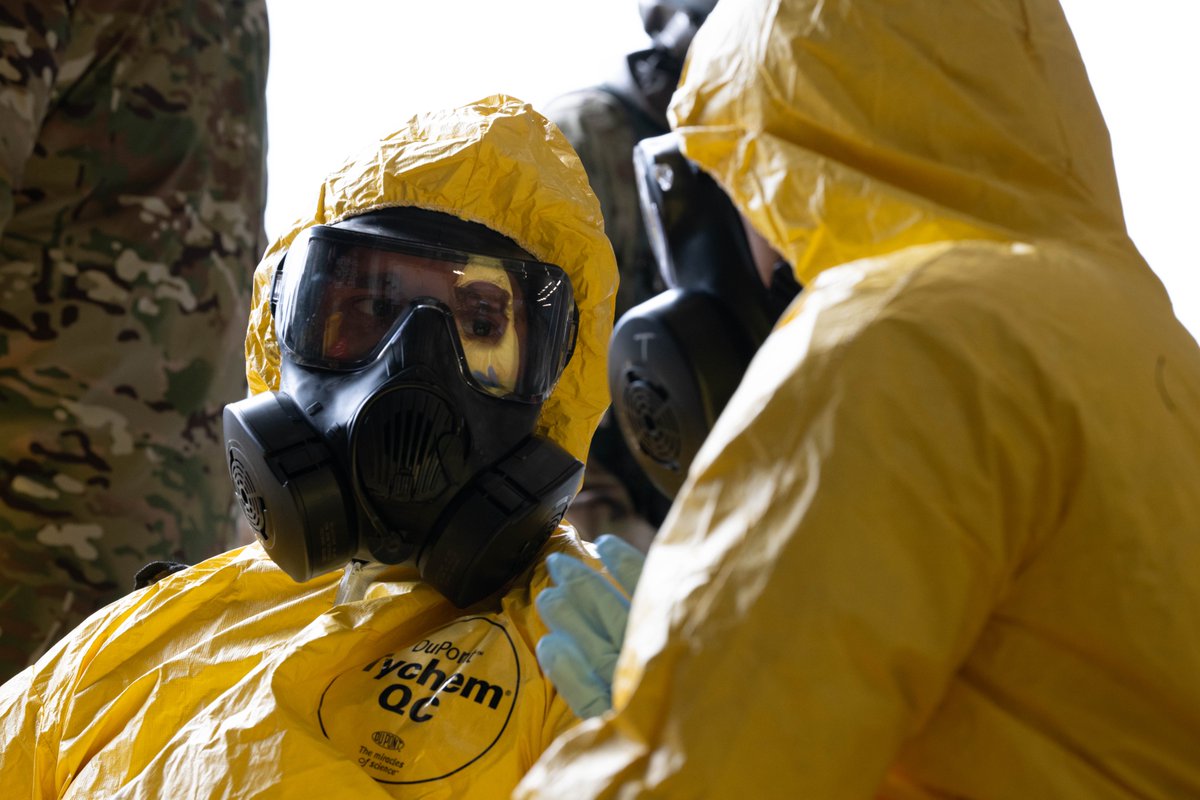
{"x": 344, "y": 73}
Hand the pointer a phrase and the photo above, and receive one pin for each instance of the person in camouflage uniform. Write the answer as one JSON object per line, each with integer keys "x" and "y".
{"x": 603, "y": 123}
{"x": 132, "y": 183}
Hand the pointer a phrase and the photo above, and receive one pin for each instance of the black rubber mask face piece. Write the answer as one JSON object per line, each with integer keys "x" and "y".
{"x": 676, "y": 359}
{"x": 404, "y": 458}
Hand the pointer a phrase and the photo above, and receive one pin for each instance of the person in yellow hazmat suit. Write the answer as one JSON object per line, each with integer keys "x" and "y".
{"x": 944, "y": 540}
{"x": 426, "y": 353}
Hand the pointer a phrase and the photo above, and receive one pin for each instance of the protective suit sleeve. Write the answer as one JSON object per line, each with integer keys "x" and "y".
{"x": 846, "y": 531}
{"x": 29, "y": 67}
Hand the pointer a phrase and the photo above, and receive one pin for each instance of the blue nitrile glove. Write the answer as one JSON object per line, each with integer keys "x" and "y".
{"x": 586, "y": 615}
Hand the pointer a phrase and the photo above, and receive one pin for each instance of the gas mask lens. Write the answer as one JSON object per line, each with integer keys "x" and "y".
{"x": 344, "y": 294}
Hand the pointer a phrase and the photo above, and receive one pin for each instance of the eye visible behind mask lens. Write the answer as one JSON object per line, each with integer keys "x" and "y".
{"x": 484, "y": 313}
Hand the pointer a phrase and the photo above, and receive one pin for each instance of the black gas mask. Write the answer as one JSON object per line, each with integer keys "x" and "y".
{"x": 675, "y": 360}
{"x": 416, "y": 351}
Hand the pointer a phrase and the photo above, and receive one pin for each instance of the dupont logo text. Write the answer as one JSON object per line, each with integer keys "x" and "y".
{"x": 388, "y": 741}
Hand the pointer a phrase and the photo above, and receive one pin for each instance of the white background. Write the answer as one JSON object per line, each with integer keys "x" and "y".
{"x": 344, "y": 73}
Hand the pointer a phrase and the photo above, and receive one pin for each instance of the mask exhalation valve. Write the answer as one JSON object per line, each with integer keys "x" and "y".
{"x": 403, "y": 461}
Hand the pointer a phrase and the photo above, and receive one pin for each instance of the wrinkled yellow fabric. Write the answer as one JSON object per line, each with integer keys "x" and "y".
{"x": 228, "y": 679}
{"x": 231, "y": 680}
{"x": 944, "y": 541}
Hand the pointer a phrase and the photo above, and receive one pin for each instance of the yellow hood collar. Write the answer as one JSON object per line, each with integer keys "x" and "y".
{"x": 849, "y": 128}
{"x": 499, "y": 163}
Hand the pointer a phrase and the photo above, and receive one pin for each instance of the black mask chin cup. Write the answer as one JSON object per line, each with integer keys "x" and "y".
{"x": 285, "y": 479}
{"x": 495, "y": 526}
{"x": 674, "y": 362}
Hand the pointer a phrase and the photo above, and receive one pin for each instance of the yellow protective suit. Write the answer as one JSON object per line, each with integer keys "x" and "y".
{"x": 230, "y": 680}
{"x": 944, "y": 541}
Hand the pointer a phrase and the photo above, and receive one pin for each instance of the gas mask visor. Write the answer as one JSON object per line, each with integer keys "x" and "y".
{"x": 341, "y": 295}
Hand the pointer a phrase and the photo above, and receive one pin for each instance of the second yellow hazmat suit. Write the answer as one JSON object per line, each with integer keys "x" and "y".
{"x": 230, "y": 680}
{"x": 944, "y": 541}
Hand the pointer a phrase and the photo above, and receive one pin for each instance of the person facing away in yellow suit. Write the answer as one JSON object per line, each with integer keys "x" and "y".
{"x": 944, "y": 539}
{"x": 426, "y": 351}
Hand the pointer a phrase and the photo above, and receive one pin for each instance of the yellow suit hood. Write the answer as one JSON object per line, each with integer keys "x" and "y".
{"x": 881, "y": 125}
{"x": 475, "y": 162}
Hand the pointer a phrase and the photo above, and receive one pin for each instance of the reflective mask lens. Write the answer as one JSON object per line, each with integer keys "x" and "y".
{"x": 344, "y": 293}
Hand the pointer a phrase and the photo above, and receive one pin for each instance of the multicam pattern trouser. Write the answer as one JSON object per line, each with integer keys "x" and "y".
{"x": 131, "y": 191}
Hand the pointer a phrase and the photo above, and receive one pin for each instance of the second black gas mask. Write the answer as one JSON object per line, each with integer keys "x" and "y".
{"x": 675, "y": 360}
{"x": 416, "y": 350}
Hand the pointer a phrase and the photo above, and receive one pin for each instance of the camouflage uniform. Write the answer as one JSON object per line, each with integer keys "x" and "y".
{"x": 132, "y": 181}
{"x": 603, "y": 123}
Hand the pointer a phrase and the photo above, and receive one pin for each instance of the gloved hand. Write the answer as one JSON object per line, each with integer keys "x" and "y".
{"x": 586, "y": 615}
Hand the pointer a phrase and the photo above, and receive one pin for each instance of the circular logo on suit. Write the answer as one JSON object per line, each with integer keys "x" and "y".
{"x": 427, "y": 709}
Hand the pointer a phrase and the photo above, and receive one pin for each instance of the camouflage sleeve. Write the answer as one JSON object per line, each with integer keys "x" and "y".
{"x": 32, "y": 36}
